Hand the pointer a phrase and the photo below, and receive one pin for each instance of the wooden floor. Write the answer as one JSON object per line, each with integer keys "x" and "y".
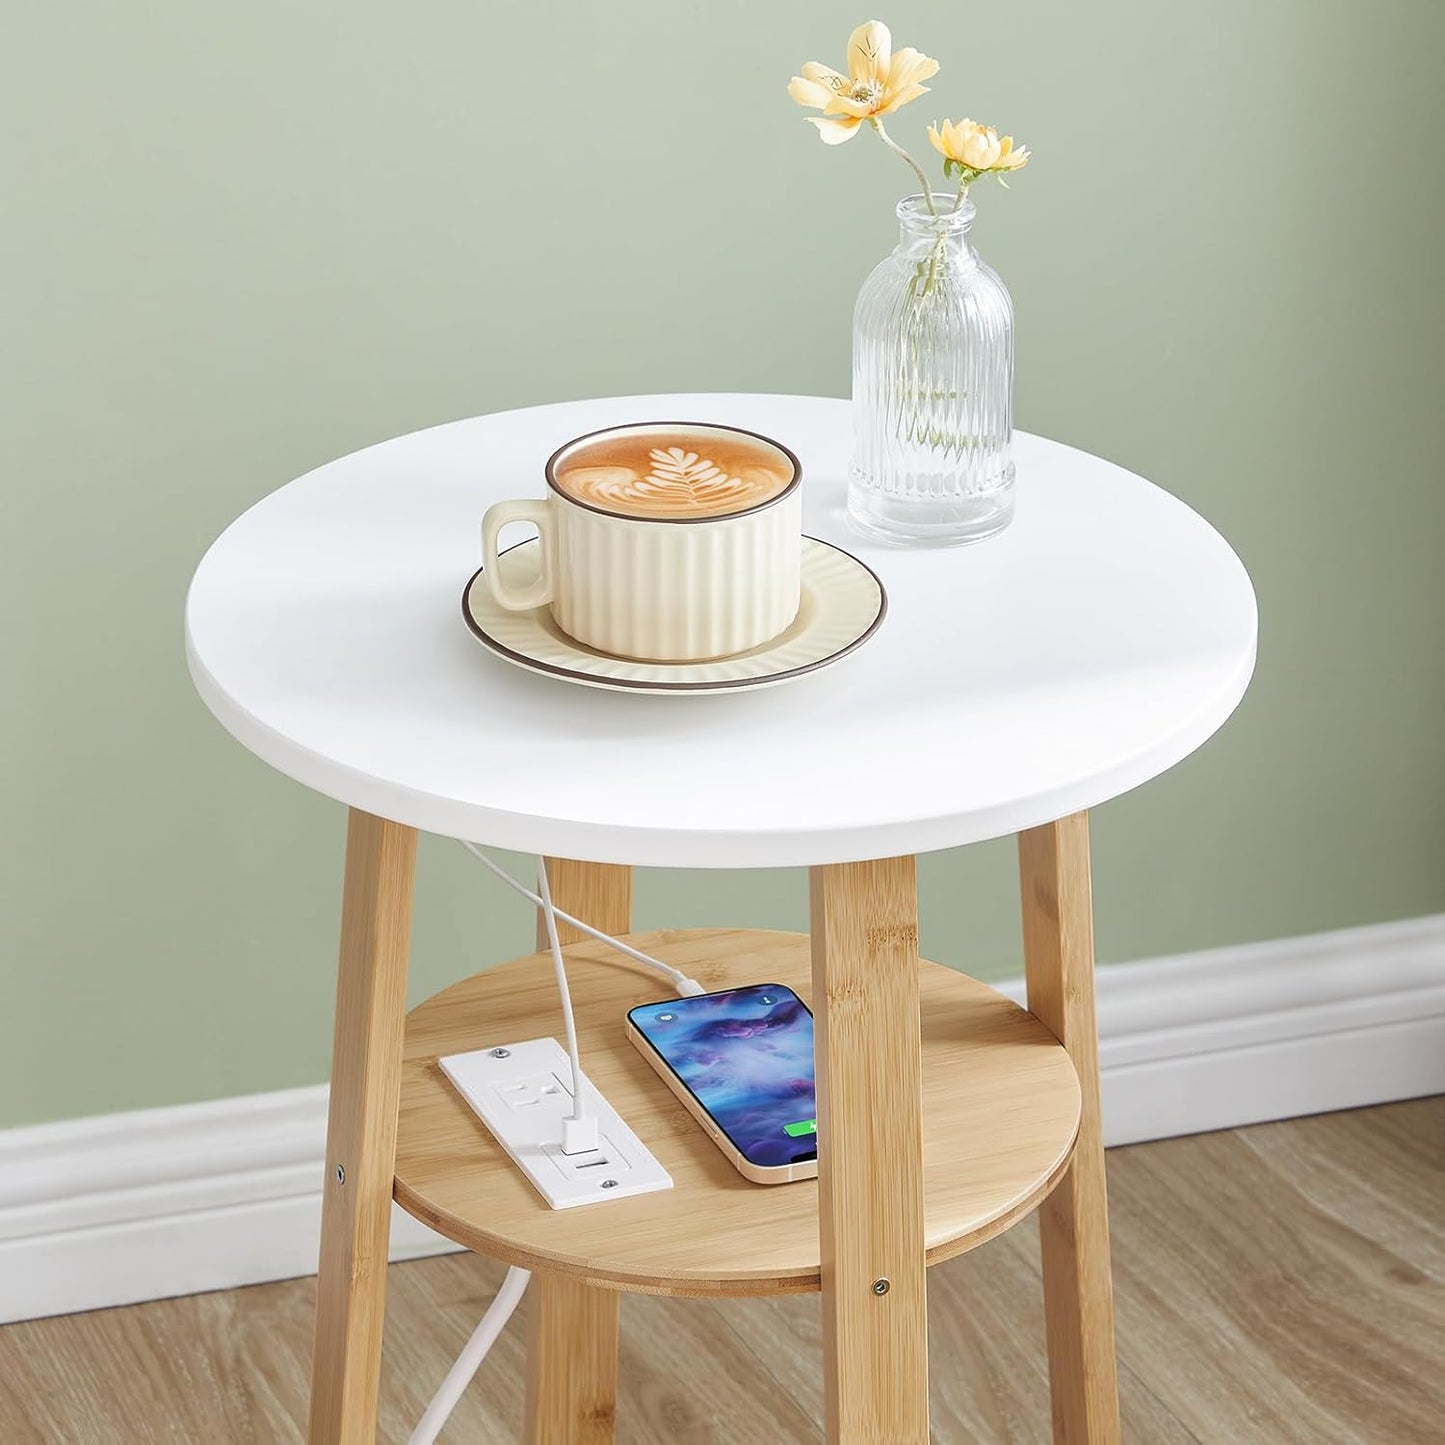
{"x": 1280, "y": 1283}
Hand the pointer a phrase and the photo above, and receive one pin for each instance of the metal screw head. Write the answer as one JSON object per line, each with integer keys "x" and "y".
{"x": 609, "y": 1184}
{"x": 341, "y": 1174}
{"x": 501, "y": 1053}
{"x": 881, "y": 1286}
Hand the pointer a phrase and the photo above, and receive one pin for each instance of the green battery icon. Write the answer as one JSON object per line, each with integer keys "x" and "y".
{"x": 803, "y": 1126}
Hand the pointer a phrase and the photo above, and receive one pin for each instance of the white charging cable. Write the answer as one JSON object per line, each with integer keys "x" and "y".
{"x": 685, "y": 986}
{"x": 579, "y": 1128}
{"x": 575, "y": 1132}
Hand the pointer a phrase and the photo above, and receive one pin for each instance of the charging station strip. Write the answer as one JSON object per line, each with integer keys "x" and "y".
{"x": 522, "y": 1092}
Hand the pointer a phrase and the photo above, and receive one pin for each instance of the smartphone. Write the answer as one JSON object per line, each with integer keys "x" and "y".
{"x": 741, "y": 1062}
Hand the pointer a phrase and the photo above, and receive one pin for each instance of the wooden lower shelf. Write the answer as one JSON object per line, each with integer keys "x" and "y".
{"x": 1000, "y": 1113}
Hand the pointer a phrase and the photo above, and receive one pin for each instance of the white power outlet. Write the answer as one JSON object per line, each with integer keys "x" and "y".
{"x": 522, "y": 1092}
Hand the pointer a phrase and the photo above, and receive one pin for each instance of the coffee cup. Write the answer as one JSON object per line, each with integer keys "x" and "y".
{"x": 662, "y": 541}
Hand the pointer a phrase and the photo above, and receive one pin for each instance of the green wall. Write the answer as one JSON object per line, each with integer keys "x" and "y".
{"x": 243, "y": 239}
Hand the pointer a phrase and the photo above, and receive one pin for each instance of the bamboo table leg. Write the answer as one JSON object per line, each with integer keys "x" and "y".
{"x": 361, "y": 1129}
{"x": 572, "y": 1331}
{"x": 572, "y": 1327}
{"x": 1073, "y": 1220}
{"x": 870, "y": 1152}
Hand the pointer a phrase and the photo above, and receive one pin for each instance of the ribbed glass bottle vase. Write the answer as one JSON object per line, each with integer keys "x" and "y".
{"x": 932, "y": 387}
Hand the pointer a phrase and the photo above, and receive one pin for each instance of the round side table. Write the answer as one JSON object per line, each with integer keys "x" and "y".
{"x": 1013, "y": 685}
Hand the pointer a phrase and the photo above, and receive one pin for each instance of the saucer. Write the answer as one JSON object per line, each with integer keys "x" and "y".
{"x": 842, "y": 605}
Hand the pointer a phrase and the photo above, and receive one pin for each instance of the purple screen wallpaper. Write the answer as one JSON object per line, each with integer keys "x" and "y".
{"x": 748, "y": 1056}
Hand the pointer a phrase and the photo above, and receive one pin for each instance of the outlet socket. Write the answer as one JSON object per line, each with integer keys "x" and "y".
{"x": 523, "y": 1099}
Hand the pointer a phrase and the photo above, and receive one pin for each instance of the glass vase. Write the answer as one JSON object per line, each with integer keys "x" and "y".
{"x": 932, "y": 387}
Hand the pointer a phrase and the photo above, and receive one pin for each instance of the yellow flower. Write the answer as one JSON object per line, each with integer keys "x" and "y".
{"x": 967, "y": 146}
{"x": 879, "y": 80}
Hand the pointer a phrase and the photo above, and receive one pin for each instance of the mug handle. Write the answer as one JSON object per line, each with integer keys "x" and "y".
{"x": 538, "y": 512}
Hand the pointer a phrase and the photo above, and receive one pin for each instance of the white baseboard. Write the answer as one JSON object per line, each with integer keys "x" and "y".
{"x": 126, "y": 1207}
{"x": 1232, "y": 1036}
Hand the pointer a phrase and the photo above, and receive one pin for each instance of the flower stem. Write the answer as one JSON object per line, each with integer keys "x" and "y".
{"x": 962, "y": 190}
{"x": 917, "y": 169}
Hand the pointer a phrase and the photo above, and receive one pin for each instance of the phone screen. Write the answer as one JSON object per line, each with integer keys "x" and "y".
{"x": 747, "y": 1056}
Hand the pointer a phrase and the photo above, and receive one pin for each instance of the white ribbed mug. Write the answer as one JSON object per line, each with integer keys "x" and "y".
{"x": 673, "y": 589}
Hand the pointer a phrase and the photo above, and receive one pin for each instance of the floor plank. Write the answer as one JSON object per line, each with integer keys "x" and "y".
{"x": 1281, "y": 1283}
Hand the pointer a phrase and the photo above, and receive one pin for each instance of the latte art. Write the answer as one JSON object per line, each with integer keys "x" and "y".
{"x": 676, "y": 475}
{"x": 676, "y": 468}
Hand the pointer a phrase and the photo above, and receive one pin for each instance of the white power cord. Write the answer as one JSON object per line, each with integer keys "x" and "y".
{"x": 579, "y": 1128}
{"x": 471, "y": 1357}
{"x": 576, "y": 1132}
{"x": 685, "y": 986}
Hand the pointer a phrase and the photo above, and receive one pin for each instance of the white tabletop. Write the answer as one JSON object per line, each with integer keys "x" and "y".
{"x": 1094, "y": 644}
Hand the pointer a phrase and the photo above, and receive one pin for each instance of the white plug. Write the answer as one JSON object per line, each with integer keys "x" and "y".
{"x": 579, "y": 1136}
